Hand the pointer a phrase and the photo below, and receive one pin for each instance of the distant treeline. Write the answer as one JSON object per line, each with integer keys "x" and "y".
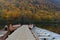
{"x": 29, "y": 12}
{"x": 23, "y": 20}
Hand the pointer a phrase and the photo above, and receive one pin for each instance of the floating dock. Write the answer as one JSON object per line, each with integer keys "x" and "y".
{"x": 22, "y": 33}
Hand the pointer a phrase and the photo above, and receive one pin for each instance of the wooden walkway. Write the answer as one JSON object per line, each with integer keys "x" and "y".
{"x": 22, "y": 33}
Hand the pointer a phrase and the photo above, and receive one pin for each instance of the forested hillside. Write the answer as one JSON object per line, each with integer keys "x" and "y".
{"x": 29, "y": 11}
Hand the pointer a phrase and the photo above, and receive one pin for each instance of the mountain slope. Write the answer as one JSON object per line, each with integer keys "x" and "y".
{"x": 57, "y": 2}
{"x": 38, "y": 8}
{"x": 44, "y": 4}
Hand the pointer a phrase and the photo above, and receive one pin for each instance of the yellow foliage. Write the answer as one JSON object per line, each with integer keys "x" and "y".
{"x": 11, "y": 13}
{"x": 36, "y": 17}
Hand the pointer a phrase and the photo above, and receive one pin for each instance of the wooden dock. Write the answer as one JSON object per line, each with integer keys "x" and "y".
{"x": 22, "y": 33}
